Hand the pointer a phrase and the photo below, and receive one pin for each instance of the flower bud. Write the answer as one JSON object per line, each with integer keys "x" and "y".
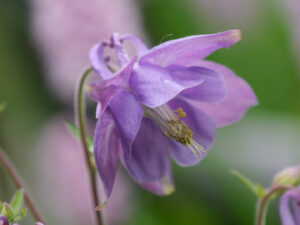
{"x": 289, "y": 177}
{"x": 3, "y": 220}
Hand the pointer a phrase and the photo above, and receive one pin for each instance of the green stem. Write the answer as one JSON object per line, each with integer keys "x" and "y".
{"x": 19, "y": 184}
{"x": 263, "y": 203}
{"x": 80, "y": 119}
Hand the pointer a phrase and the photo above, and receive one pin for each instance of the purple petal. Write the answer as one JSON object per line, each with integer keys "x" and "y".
{"x": 190, "y": 49}
{"x": 240, "y": 97}
{"x": 211, "y": 90}
{"x": 104, "y": 91}
{"x": 163, "y": 186}
{"x": 148, "y": 160}
{"x": 204, "y": 130}
{"x": 120, "y": 52}
{"x": 285, "y": 212}
{"x": 127, "y": 112}
{"x": 140, "y": 47}
{"x": 98, "y": 63}
{"x": 106, "y": 150}
{"x": 155, "y": 85}
{"x": 296, "y": 208}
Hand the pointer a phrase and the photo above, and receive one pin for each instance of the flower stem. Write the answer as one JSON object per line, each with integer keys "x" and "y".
{"x": 19, "y": 184}
{"x": 80, "y": 120}
{"x": 263, "y": 203}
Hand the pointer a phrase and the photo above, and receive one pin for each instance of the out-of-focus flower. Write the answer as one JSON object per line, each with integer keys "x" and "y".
{"x": 63, "y": 183}
{"x": 290, "y": 216}
{"x": 149, "y": 108}
{"x": 64, "y": 30}
{"x": 219, "y": 13}
{"x": 3, "y": 220}
{"x": 293, "y": 15}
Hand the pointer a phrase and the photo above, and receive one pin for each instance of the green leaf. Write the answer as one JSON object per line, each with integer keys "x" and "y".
{"x": 75, "y": 132}
{"x": 17, "y": 201}
{"x": 2, "y": 106}
{"x": 21, "y": 216}
{"x": 72, "y": 129}
{"x": 257, "y": 189}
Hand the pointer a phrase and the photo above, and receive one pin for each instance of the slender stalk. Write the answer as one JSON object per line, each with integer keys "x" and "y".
{"x": 262, "y": 206}
{"x": 80, "y": 120}
{"x": 19, "y": 184}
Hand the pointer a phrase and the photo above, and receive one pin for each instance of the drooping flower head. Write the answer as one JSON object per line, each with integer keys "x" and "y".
{"x": 290, "y": 207}
{"x": 160, "y": 103}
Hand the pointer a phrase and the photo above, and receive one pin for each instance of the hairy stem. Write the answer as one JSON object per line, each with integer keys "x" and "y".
{"x": 80, "y": 120}
{"x": 19, "y": 184}
{"x": 262, "y": 206}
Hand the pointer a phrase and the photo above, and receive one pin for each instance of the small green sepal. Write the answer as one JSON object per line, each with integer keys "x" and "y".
{"x": 101, "y": 206}
{"x": 8, "y": 212}
{"x": 21, "y": 215}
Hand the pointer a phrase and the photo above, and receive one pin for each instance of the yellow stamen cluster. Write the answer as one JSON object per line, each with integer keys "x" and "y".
{"x": 179, "y": 131}
{"x": 174, "y": 127}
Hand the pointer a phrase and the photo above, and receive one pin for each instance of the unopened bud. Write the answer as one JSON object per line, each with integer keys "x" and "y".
{"x": 3, "y": 220}
{"x": 287, "y": 177}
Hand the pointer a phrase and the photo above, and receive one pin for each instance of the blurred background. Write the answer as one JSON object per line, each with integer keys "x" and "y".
{"x": 43, "y": 46}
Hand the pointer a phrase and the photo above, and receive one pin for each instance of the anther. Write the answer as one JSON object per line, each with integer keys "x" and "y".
{"x": 180, "y": 112}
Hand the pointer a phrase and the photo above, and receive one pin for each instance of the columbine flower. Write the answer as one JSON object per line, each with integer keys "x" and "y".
{"x": 162, "y": 102}
{"x": 288, "y": 216}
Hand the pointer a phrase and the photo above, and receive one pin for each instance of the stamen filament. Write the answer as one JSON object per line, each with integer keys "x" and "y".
{"x": 198, "y": 146}
{"x": 193, "y": 150}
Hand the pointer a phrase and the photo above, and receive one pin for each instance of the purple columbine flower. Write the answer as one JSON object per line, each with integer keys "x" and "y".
{"x": 161, "y": 103}
{"x": 290, "y": 199}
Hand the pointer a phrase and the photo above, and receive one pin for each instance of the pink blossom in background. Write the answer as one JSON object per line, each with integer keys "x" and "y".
{"x": 64, "y": 31}
{"x": 293, "y": 17}
{"x": 225, "y": 14}
{"x": 63, "y": 185}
